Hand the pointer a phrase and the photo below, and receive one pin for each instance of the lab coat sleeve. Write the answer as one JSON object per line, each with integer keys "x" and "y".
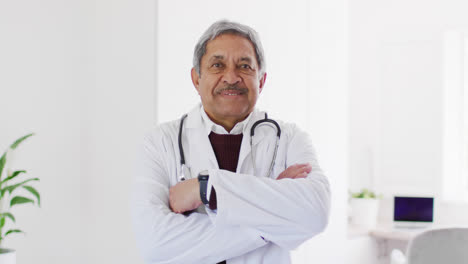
{"x": 167, "y": 237}
{"x": 286, "y": 212}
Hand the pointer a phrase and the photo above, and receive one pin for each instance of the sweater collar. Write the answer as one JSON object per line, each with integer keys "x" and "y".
{"x": 210, "y": 126}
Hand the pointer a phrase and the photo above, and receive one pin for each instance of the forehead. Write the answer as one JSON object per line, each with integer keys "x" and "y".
{"x": 229, "y": 46}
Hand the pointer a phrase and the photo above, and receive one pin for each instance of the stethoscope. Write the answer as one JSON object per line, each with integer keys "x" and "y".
{"x": 265, "y": 121}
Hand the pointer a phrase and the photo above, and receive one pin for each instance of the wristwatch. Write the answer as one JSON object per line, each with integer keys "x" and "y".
{"x": 203, "y": 177}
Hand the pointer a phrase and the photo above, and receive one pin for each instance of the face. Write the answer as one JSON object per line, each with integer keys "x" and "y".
{"x": 229, "y": 83}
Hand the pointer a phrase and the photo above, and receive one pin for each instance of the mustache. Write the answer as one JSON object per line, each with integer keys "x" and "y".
{"x": 234, "y": 87}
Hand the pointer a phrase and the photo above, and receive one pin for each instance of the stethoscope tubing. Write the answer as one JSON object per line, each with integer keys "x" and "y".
{"x": 252, "y": 133}
{"x": 181, "y": 149}
{"x": 266, "y": 119}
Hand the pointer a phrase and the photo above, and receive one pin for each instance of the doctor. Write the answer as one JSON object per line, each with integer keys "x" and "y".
{"x": 206, "y": 190}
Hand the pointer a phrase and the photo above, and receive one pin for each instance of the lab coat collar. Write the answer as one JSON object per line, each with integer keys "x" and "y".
{"x": 198, "y": 142}
{"x": 211, "y": 126}
{"x": 195, "y": 120}
{"x": 195, "y": 123}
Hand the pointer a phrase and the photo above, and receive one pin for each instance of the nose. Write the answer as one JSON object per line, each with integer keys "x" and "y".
{"x": 231, "y": 76}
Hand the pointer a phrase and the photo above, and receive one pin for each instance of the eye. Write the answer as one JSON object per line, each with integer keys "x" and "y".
{"x": 216, "y": 65}
{"x": 245, "y": 66}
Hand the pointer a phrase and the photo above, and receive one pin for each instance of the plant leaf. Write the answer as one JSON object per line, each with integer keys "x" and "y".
{"x": 2, "y": 163}
{"x": 2, "y": 221}
{"x": 11, "y": 188}
{"x": 13, "y": 231}
{"x": 18, "y": 141}
{"x": 20, "y": 200}
{"x": 9, "y": 215}
{"x": 13, "y": 175}
{"x": 364, "y": 194}
{"x": 34, "y": 192}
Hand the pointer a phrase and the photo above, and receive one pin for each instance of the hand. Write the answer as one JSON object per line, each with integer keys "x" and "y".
{"x": 296, "y": 171}
{"x": 185, "y": 196}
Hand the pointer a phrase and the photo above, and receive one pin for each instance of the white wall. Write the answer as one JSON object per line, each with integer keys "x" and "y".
{"x": 305, "y": 45}
{"x": 327, "y": 104}
{"x": 43, "y": 68}
{"x": 119, "y": 110}
{"x": 396, "y": 82}
{"x": 80, "y": 75}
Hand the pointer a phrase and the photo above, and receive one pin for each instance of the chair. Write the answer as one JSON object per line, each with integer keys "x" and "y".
{"x": 437, "y": 246}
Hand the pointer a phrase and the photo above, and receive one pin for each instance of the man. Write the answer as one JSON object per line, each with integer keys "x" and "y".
{"x": 239, "y": 202}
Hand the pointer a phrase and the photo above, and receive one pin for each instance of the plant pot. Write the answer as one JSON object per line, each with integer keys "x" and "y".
{"x": 364, "y": 212}
{"x": 7, "y": 256}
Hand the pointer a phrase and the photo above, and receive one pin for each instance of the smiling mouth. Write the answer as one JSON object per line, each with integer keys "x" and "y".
{"x": 232, "y": 93}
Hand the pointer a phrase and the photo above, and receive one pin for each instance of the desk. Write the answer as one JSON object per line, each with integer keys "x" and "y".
{"x": 389, "y": 232}
{"x": 389, "y": 238}
{"x": 385, "y": 238}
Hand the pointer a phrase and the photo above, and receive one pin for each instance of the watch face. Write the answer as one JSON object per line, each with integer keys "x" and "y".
{"x": 202, "y": 177}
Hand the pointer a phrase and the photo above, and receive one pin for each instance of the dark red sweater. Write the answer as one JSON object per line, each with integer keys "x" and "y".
{"x": 226, "y": 149}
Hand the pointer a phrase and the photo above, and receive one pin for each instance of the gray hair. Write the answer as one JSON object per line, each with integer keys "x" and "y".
{"x": 227, "y": 27}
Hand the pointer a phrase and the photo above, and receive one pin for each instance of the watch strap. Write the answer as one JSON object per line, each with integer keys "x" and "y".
{"x": 203, "y": 182}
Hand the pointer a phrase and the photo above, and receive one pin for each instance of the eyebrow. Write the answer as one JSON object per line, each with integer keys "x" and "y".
{"x": 247, "y": 59}
{"x": 221, "y": 57}
{"x": 217, "y": 57}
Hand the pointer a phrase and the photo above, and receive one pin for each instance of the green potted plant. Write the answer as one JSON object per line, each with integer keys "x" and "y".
{"x": 364, "y": 208}
{"x": 10, "y": 184}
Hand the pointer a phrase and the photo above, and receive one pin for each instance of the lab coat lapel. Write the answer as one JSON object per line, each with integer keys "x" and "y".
{"x": 201, "y": 154}
{"x": 245, "y": 146}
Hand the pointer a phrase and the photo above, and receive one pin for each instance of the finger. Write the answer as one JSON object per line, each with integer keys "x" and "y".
{"x": 172, "y": 204}
{"x": 281, "y": 176}
{"x": 294, "y": 169}
{"x": 291, "y": 171}
{"x": 300, "y": 167}
{"x": 300, "y": 171}
{"x": 307, "y": 168}
{"x": 175, "y": 209}
{"x": 301, "y": 175}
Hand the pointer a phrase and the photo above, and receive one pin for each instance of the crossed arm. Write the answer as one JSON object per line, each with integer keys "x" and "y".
{"x": 296, "y": 210}
{"x": 185, "y": 196}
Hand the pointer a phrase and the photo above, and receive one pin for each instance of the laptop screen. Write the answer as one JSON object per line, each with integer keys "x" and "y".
{"x": 413, "y": 209}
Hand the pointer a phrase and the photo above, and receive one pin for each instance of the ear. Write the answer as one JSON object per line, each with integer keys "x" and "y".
{"x": 195, "y": 78}
{"x": 262, "y": 82}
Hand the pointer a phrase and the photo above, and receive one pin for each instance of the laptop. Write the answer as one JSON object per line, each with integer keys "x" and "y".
{"x": 413, "y": 212}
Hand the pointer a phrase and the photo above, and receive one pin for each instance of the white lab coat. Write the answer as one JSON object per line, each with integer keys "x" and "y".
{"x": 259, "y": 219}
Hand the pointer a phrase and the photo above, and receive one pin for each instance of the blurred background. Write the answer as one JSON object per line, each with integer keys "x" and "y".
{"x": 380, "y": 85}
